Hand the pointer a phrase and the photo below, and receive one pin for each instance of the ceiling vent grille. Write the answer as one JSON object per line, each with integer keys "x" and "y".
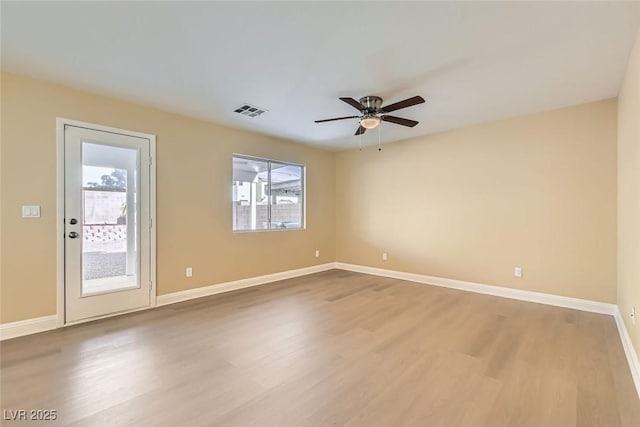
{"x": 250, "y": 110}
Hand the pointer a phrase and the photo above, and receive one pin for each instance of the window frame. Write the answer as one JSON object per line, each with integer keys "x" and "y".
{"x": 303, "y": 186}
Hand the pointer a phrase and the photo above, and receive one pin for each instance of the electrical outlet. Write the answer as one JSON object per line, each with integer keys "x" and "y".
{"x": 384, "y": 256}
{"x": 317, "y": 253}
{"x": 517, "y": 271}
{"x": 633, "y": 314}
{"x": 189, "y": 272}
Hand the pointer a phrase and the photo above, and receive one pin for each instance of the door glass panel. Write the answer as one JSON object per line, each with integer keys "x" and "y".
{"x": 109, "y": 219}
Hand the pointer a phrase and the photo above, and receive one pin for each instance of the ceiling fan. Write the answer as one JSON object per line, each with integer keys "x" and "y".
{"x": 372, "y": 112}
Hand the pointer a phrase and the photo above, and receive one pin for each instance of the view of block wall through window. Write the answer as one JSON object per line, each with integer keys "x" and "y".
{"x": 109, "y": 219}
{"x": 267, "y": 194}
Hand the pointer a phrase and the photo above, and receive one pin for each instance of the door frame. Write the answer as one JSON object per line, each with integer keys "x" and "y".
{"x": 60, "y": 225}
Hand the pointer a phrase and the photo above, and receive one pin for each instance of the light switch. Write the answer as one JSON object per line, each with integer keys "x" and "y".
{"x": 30, "y": 211}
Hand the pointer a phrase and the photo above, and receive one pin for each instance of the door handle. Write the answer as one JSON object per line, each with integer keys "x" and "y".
{"x": 73, "y": 235}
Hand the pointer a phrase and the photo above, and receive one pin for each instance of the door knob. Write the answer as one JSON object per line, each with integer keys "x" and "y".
{"x": 73, "y": 221}
{"x": 73, "y": 235}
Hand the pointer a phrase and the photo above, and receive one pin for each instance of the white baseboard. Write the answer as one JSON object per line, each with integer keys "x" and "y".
{"x": 629, "y": 351}
{"x": 239, "y": 284}
{"x": 27, "y": 327}
{"x": 499, "y": 291}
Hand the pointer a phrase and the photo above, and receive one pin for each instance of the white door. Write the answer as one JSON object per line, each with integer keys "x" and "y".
{"x": 107, "y": 223}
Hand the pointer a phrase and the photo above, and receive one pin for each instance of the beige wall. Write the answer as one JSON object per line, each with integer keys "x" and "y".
{"x": 194, "y": 208}
{"x": 629, "y": 195}
{"x": 537, "y": 192}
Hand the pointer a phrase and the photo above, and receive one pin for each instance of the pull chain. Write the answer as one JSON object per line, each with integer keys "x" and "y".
{"x": 379, "y": 130}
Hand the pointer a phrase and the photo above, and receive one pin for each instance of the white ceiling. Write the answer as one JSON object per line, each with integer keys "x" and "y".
{"x": 474, "y": 62}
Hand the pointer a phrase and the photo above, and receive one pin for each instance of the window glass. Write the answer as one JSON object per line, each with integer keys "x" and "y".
{"x": 267, "y": 194}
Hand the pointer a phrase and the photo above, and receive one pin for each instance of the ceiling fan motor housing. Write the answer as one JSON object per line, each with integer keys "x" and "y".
{"x": 371, "y": 104}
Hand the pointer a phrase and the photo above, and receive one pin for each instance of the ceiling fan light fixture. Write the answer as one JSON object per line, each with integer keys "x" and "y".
{"x": 370, "y": 122}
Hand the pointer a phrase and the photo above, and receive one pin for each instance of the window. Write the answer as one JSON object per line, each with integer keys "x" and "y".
{"x": 267, "y": 194}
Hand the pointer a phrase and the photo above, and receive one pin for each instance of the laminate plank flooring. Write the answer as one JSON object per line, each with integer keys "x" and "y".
{"x": 332, "y": 348}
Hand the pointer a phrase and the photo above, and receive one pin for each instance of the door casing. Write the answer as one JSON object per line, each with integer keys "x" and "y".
{"x": 60, "y": 225}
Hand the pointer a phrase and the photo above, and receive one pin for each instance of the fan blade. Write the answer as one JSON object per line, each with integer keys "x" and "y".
{"x": 399, "y": 121}
{"x": 360, "y": 130}
{"x": 355, "y": 104}
{"x": 402, "y": 104}
{"x": 337, "y": 118}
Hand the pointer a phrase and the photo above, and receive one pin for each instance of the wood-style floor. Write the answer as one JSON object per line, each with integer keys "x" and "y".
{"x": 333, "y": 348}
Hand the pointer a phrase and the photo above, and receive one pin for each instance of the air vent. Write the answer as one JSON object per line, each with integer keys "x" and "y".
{"x": 249, "y": 110}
